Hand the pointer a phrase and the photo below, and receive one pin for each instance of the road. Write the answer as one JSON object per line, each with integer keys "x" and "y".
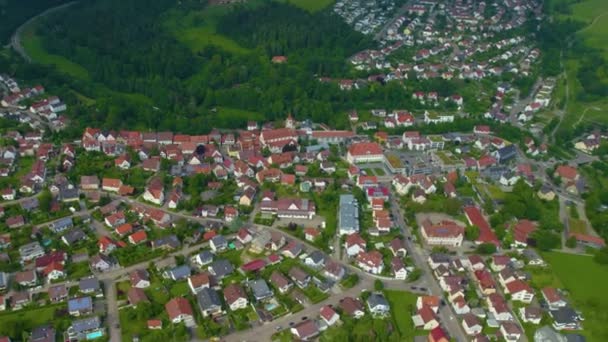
{"x": 265, "y": 332}
{"x": 446, "y": 315}
{"x": 16, "y": 38}
{"x": 401, "y": 11}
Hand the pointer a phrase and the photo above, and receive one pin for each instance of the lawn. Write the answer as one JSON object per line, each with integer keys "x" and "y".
{"x": 33, "y": 46}
{"x": 197, "y": 29}
{"x": 309, "y": 5}
{"x": 577, "y": 226}
{"x": 402, "y": 305}
{"x": 379, "y": 172}
{"x": 14, "y": 323}
{"x": 581, "y": 276}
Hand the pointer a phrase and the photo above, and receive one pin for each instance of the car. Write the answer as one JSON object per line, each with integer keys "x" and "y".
{"x": 424, "y": 289}
{"x": 291, "y": 324}
{"x": 304, "y": 318}
{"x": 278, "y": 327}
{"x": 414, "y": 288}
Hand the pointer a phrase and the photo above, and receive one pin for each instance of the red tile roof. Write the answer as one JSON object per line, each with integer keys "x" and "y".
{"x": 178, "y": 306}
{"x": 362, "y": 149}
{"x": 486, "y": 235}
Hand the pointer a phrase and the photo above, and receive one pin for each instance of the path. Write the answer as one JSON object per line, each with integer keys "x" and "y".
{"x": 446, "y": 314}
{"x": 16, "y": 38}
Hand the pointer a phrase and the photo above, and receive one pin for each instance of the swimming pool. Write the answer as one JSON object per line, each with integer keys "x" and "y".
{"x": 94, "y": 335}
{"x": 270, "y": 306}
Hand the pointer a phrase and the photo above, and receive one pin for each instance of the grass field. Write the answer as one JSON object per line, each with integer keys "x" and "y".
{"x": 577, "y": 226}
{"x": 595, "y": 14}
{"x": 402, "y": 305}
{"x": 582, "y": 278}
{"x": 33, "y": 46}
{"x": 196, "y": 29}
{"x": 309, "y": 5}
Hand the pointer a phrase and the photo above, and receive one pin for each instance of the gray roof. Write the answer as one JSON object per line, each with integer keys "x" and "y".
{"x": 564, "y": 315}
{"x": 69, "y": 193}
{"x": 86, "y": 324}
{"x": 168, "y": 241}
{"x": 80, "y": 304}
{"x": 179, "y": 272}
{"x": 89, "y": 284}
{"x": 62, "y": 224}
{"x": 208, "y": 299}
{"x": 30, "y": 204}
{"x": 44, "y": 333}
{"x": 74, "y": 236}
{"x": 205, "y": 256}
{"x": 547, "y": 334}
{"x": 377, "y": 299}
{"x": 219, "y": 240}
{"x": 317, "y": 257}
{"x": 506, "y": 153}
{"x": 221, "y": 268}
{"x": 348, "y": 216}
{"x": 260, "y": 289}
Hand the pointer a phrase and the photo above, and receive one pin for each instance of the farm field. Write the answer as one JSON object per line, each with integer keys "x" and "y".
{"x": 310, "y": 5}
{"x": 580, "y": 276}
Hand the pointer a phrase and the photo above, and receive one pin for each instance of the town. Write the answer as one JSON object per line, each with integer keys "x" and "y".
{"x": 281, "y": 229}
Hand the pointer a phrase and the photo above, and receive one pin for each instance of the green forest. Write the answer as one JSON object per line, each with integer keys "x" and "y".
{"x": 141, "y": 75}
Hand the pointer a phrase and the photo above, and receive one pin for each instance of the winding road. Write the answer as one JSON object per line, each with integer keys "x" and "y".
{"x": 16, "y": 37}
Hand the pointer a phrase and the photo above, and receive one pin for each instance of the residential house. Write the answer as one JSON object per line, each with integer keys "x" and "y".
{"x": 140, "y": 279}
{"x": 425, "y": 318}
{"x": 329, "y": 315}
{"x": 305, "y": 331}
{"x": 209, "y": 302}
{"x": 299, "y": 276}
{"x": 179, "y": 310}
{"x": 352, "y": 307}
{"x": 235, "y": 297}
{"x": 198, "y": 282}
{"x": 378, "y": 305}
{"x": 136, "y": 295}
{"x": 260, "y": 289}
{"x": 80, "y": 306}
{"x": 221, "y": 268}
{"x": 280, "y": 282}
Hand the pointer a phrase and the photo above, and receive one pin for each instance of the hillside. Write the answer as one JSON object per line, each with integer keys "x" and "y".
{"x": 187, "y": 60}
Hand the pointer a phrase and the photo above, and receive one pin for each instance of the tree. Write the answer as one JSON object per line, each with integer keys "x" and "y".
{"x": 414, "y": 275}
{"x": 546, "y": 240}
{"x": 571, "y": 242}
{"x": 471, "y": 233}
{"x": 378, "y": 285}
{"x": 486, "y": 248}
{"x": 44, "y": 200}
{"x": 601, "y": 256}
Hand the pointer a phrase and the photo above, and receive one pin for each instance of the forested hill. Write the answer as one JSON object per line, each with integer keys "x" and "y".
{"x": 131, "y": 52}
{"x": 321, "y": 39}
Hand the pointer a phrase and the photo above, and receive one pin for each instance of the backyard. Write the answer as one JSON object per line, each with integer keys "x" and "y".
{"x": 580, "y": 276}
